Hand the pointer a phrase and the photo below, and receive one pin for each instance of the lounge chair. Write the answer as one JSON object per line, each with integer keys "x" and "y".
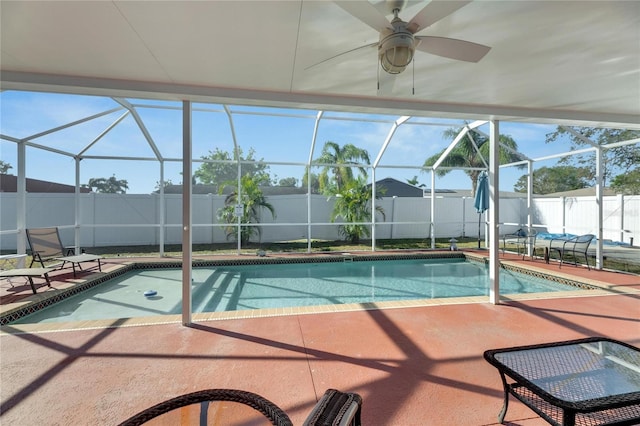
{"x": 28, "y": 273}
{"x": 46, "y": 245}
{"x": 335, "y": 408}
{"x": 575, "y": 245}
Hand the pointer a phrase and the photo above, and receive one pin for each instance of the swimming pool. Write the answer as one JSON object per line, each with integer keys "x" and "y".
{"x": 249, "y": 287}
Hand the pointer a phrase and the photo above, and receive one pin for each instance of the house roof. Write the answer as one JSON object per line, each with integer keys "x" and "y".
{"x": 391, "y": 187}
{"x": 9, "y": 183}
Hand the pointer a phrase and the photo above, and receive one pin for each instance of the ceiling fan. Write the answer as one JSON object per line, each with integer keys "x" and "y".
{"x": 398, "y": 40}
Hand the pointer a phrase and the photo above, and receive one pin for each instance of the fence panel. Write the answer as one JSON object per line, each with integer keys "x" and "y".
{"x": 134, "y": 219}
{"x": 626, "y": 216}
{"x": 577, "y": 215}
{"x": 122, "y": 209}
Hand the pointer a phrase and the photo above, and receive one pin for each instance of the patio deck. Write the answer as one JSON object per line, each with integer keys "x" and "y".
{"x": 412, "y": 366}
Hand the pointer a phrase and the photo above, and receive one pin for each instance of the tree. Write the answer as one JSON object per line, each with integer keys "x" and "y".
{"x": 339, "y": 162}
{"x": 465, "y": 155}
{"x": 622, "y": 159}
{"x": 290, "y": 181}
{"x": 353, "y": 204}
{"x": 253, "y": 201}
{"x": 315, "y": 182}
{"x": 167, "y": 183}
{"x": 414, "y": 181}
{"x": 109, "y": 186}
{"x": 547, "y": 180}
{"x": 221, "y": 167}
{"x": 5, "y": 167}
{"x": 627, "y": 183}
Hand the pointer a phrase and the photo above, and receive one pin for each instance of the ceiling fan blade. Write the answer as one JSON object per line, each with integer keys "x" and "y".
{"x": 365, "y": 12}
{"x": 460, "y": 50}
{"x": 375, "y": 44}
{"x": 433, "y": 12}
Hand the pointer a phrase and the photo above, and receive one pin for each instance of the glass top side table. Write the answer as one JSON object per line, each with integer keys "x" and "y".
{"x": 594, "y": 381}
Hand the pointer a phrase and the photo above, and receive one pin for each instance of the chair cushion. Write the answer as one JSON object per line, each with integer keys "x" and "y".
{"x": 336, "y": 408}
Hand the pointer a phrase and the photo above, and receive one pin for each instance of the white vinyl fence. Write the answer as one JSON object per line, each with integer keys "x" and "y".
{"x": 136, "y": 219}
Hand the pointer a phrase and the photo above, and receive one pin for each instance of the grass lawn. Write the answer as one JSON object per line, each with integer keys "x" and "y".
{"x": 317, "y": 246}
{"x": 298, "y": 246}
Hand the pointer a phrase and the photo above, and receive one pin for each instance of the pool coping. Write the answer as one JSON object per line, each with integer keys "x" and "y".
{"x": 42, "y": 300}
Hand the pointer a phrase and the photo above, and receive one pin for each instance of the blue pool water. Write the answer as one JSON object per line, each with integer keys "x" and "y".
{"x": 230, "y": 288}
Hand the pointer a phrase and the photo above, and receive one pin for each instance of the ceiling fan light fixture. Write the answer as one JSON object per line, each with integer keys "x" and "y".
{"x": 396, "y": 52}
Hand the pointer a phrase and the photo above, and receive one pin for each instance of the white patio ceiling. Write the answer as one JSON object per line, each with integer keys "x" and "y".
{"x": 569, "y": 62}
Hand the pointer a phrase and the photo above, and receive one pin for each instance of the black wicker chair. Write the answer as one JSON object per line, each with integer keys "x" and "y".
{"x": 576, "y": 245}
{"x": 335, "y": 408}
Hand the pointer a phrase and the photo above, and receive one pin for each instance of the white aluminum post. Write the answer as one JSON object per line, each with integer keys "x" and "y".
{"x": 494, "y": 207}
{"x": 563, "y": 200}
{"x": 186, "y": 213}
{"x": 309, "y": 208}
{"x": 620, "y": 199}
{"x": 76, "y": 200}
{"x": 161, "y": 207}
{"x": 236, "y": 152}
{"x": 21, "y": 199}
{"x": 433, "y": 209}
{"x": 239, "y": 208}
{"x": 599, "y": 212}
{"x": 529, "y": 203}
{"x": 464, "y": 215}
{"x": 393, "y": 213}
{"x": 394, "y": 127}
{"x": 373, "y": 209}
{"x": 310, "y": 159}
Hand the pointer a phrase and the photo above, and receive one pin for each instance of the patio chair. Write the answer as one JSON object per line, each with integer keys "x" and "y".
{"x": 335, "y": 408}
{"x": 521, "y": 238}
{"x": 46, "y": 245}
{"x": 29, "y": 274}
{"x": 575, "y": 245}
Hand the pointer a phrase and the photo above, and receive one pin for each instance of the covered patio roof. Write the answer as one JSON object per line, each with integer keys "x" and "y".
{"x": 574, "y": 62}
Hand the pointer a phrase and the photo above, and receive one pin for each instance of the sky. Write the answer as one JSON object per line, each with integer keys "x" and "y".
{"x": 284, "y": 138}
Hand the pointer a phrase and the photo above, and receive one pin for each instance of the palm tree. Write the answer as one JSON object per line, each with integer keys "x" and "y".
{"x": 465, "y": 155}
{"x": 341, "y": 160}
{"x": 353, "y": 204}
{"x": 253, "y": 201}
{"x": 414, "y": 181}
